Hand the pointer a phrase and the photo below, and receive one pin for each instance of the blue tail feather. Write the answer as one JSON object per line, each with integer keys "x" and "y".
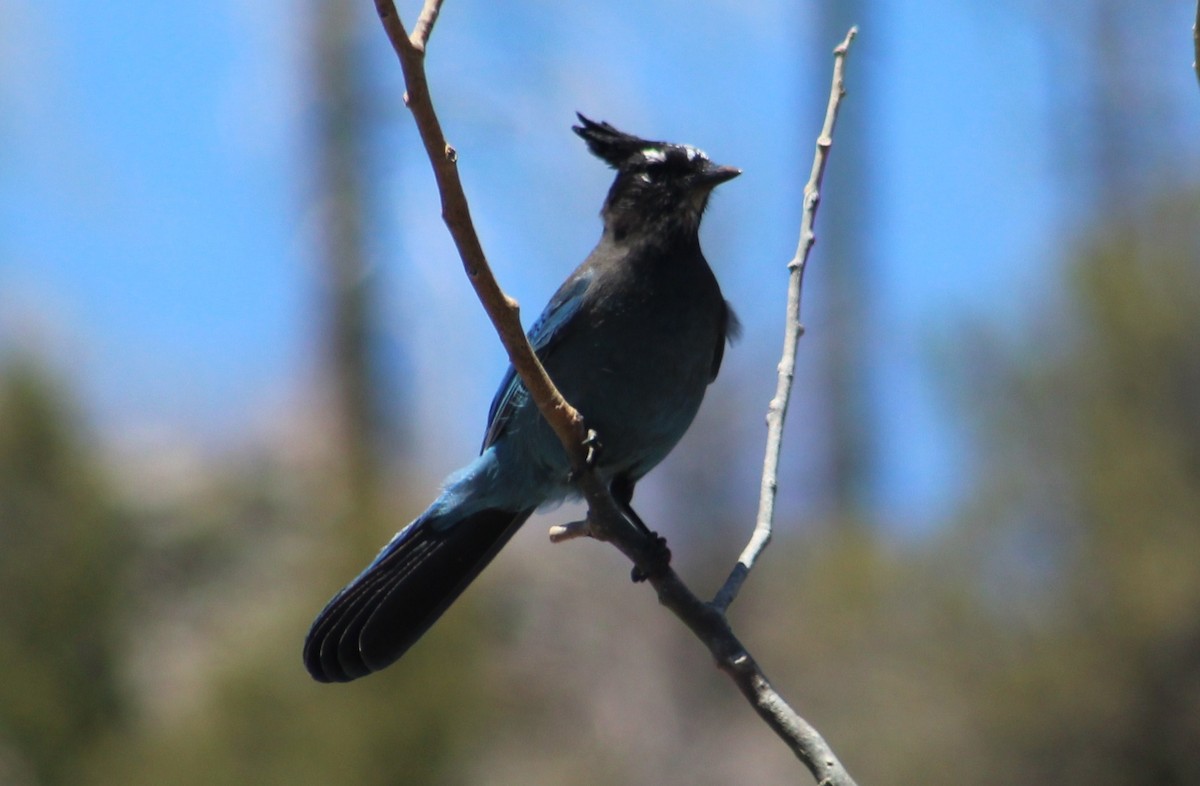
{"x": 378, "y": 616}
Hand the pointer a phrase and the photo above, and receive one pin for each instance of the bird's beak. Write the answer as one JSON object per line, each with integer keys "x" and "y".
{"x": 715, "y": 175}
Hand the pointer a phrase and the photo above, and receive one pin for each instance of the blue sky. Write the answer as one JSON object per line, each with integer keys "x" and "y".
{"x": 156, "y": 212}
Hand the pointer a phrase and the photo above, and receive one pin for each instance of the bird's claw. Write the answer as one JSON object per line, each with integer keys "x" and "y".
{"x": 592, "y": 443}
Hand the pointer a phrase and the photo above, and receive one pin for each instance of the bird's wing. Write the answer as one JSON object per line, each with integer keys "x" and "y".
{"x": 731, "y": 331}
{"x": 543, "y": 337}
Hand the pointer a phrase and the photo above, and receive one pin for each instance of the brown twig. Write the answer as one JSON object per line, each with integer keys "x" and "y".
{"x": 777, "y": 409}
{"x": 501, "y": 309}
{"x": 605, "y": 520}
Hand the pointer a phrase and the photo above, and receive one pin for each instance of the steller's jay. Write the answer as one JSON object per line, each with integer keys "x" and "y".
{"x": 632, "y": 339}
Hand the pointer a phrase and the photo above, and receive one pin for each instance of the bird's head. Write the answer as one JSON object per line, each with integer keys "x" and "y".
{"x": 660, "y": 188}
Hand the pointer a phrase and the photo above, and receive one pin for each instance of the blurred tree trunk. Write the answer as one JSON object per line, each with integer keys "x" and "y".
{"x": 1111, "y": 116}
{"x": 341, "y": 120}
{"x": 845, "y": 266}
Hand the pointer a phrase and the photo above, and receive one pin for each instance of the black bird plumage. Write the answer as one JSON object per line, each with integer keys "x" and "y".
{"x": 632, "y": 339}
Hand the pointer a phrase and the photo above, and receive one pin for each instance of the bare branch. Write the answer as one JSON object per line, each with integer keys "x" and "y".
{"x": 560, "y": 533}
{"x": 709, "y": 625}
{"x": 425, "y": 22}
{"x": 777, "y": 409}
{"x": 605, "y": 519}
{"x": 501, "y": 309}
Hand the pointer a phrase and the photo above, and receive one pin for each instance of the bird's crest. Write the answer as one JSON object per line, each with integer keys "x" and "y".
{"x": 617, "y": 148}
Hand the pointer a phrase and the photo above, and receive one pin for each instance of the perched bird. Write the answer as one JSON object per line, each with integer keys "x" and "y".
{"x": 632, "y": 339}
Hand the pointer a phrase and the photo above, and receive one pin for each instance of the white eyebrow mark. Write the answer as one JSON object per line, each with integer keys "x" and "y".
{"x": 654, "y": 155}
{"x": 694, "y": 153}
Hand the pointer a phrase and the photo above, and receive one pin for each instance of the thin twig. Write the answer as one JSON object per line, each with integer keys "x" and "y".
{"x": 501, "y": 309}
{"x": 1196, "y": 42}
{"x": 777, "y": 409}
{"x": 425, "y": 22}
{"x": 605, "y": 520}
{"x": 710, "y": 625}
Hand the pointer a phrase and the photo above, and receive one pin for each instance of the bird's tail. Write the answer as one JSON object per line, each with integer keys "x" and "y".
{"x": 379, "y": 615}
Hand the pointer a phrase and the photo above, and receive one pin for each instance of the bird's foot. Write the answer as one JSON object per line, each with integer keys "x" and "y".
{"x": 658, "y": 563}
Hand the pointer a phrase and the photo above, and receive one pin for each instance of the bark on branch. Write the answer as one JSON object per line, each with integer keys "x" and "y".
{"x": 605, "y": 520}
{"x": 501, "y": 309}
{"x": 794, "y": 329}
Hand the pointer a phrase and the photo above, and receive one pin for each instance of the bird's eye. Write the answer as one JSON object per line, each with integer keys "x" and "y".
{"x": 665, "y": 164}
{"x": 658, "y": 171}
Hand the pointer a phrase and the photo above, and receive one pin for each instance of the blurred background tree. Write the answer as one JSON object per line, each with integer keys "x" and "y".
{"x": 1092, "y": 514}
{"x": 66, "y": 546}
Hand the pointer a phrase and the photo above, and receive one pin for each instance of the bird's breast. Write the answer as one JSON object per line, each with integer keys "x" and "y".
{"x": 645, "y": 361}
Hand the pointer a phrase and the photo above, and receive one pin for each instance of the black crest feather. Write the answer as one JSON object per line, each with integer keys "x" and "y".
{"x": 615, "y": 147}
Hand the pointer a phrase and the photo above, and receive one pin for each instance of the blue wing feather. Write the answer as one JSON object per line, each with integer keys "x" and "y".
{"x": 543, "y": 336}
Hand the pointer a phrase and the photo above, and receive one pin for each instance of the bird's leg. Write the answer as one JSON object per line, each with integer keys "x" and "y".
{"x": 660, "y": 557}
{"x": 621, "y": 489}
{"x": 579, "y": 529}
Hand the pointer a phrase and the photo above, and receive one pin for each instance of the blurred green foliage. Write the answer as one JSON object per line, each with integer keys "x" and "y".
{"x": 65, "y": 547}
{"x": 1097, "y": 478}
{"x": 1050, "y": 635}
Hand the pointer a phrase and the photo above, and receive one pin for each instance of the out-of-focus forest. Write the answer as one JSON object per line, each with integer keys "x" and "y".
{"x": 1048, "y": 632}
